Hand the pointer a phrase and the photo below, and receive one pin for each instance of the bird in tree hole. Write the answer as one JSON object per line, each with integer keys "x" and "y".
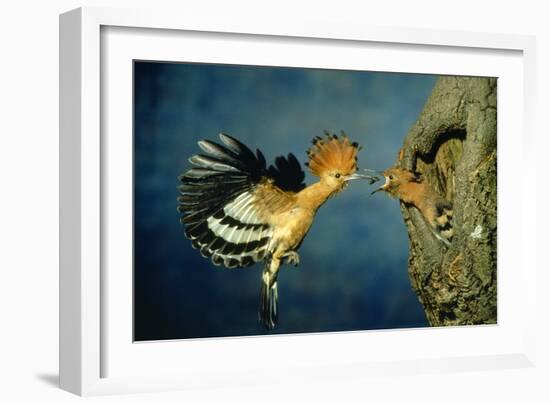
{"x": 238, "y": 212}
{"x": 411, "y": 189}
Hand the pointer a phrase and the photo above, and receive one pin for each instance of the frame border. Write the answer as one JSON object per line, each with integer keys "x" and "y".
{"x": 80, "y": 307}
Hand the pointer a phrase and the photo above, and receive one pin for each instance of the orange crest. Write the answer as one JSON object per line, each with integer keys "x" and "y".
{"x": 332, "y": 153}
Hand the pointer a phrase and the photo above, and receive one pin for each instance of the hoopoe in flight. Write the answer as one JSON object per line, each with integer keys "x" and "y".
{"x": 408, "y": 187}
{"x": 237, "y": 212}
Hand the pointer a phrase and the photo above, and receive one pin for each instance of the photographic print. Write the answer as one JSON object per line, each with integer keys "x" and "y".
{"x": 277, "y": 200}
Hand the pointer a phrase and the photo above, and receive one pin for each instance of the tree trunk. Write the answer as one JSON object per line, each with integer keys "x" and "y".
{"x": 453, "y": 145}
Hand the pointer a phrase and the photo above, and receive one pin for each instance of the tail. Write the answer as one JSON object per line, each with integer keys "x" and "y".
{"x": 269, "y": 297}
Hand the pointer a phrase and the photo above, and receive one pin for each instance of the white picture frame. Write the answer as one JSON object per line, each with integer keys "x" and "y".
{"x": 97, "y": 357}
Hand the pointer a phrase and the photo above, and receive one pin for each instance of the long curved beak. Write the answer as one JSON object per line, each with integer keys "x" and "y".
{"x": 383, "y": 187}
{"x": 356, "y": 175}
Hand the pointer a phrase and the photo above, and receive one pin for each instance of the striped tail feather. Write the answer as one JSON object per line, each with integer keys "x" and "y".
{"x": 217, "y": 203}
{"x": 269, "y": 296}
{"x": 269, "y": 302}
{"x": 442, "y": 224}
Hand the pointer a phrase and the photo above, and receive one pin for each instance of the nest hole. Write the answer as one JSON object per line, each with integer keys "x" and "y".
{"x": 439, "y": 166}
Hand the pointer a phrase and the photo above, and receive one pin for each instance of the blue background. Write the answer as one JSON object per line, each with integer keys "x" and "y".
{"x": 353, "y": 272}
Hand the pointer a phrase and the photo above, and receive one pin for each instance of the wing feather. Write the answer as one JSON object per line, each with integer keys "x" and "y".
{"x": 221, "y": 200}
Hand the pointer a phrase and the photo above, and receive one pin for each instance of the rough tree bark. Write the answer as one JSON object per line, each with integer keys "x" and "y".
{"x": 453, "y": 145}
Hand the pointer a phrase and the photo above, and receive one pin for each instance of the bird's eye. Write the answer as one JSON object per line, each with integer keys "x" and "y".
{"x": 337, "y": 175}
{"x": 392, "y": 177}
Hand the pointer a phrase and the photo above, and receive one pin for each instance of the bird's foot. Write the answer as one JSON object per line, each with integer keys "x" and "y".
{"x": 292, "y": 257}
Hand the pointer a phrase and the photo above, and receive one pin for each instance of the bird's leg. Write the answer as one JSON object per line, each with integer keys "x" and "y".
{"x": 291, "y": 257}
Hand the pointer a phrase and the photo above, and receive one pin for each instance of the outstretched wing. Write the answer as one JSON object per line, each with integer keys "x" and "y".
{"x": 287, "y": 173}
{"x": 221, "y": 203}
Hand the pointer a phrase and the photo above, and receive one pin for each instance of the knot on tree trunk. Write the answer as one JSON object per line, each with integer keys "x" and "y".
{"x": 453, "y": 145}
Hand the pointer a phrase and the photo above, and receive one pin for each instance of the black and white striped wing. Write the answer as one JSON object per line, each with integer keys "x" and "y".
{"x": 217, "y": 201}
